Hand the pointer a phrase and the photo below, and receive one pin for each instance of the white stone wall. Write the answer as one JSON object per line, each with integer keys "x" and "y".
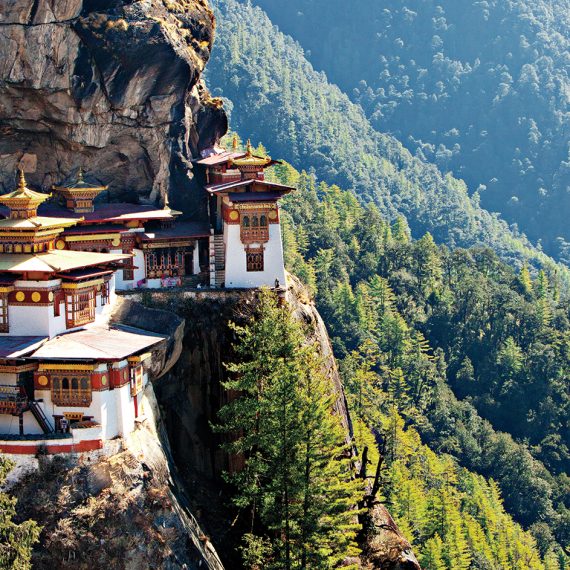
{"x": 32, "y": 320}
{"x": 139, "y": 273}
{"x": 236, "y": 266}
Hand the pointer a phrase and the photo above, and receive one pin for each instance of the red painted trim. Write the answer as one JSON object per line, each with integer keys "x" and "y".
{"x": 135, "y": 400}
{"x": 19, "y": 449}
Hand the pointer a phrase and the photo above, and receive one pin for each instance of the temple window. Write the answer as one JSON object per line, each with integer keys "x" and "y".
{"x": 136, "y": 380}
{"x": 254, "y": 228}
{"x": 254, "y": 259}
{"x": 4, "y": 324}
{"x": 105, "y": 293}
{"x": 166, "y": 261}
{"x": 128, "y": 273}
{"x": 71, "y": 390}
{"x": 79, "y": 307}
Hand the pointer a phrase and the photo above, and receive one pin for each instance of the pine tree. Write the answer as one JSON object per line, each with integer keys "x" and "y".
{"x": 432, "y": 556}
{"x": 525, "y": 280}
{"x": 294, "y": 480}
{"x": 428, "y": 266}
{"x": 401, "y": 230}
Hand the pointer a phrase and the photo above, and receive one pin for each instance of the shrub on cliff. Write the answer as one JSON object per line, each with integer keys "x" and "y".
{"x": 16, "y": 540}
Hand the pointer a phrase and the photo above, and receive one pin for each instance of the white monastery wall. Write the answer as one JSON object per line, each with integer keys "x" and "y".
{"x": 236, "y": 266}
{"x": 139, "y": 272}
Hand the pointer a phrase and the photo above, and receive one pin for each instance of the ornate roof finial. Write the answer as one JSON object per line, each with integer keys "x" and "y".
{"x": 21, "y": 178}
{"x": 248, "y": 149}
{"x": 235, "y": 143}
{"x": 80, "y": 174}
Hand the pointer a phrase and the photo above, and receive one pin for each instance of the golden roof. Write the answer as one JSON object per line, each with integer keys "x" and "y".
{"x": 37, "y": 223}
{"x": 56, "y": 260}
{"x": 80, "y": 185}
{"x": 251, "y": 159}
{"x": 23, "y": 195}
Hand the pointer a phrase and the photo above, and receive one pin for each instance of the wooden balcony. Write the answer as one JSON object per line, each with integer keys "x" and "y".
{"x": 256, "y": 234}
{"x": 72, "y": 398}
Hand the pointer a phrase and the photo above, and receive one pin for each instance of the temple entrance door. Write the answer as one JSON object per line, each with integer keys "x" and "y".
{"x": 26, "y": 380}
{"x": 188, "y": 264}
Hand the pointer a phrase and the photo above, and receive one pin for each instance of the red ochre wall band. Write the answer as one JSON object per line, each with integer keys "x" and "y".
{"x": 43, "y": 445}
{"x": 31, "y": 297}
{"x": 100, "y": 381}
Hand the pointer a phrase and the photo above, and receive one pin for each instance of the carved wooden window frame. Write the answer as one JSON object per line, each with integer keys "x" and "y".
{"x": 71, "y": 389}
{"x": 4, "y": 321}
{"x": 254, "y": 226}
{"x": 254, "y": 259}
{"x": 80, "y": 307}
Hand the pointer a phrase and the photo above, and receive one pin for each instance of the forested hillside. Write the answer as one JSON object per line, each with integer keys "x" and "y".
{"x": 276, "y": 97}
{"x": 457, "y": 343}
{"x": 479, "y": 88}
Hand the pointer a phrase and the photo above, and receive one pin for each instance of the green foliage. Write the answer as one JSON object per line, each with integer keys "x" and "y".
{"x": 477, "y": 88}
{"x": 454, "y": 518}
{"x": 276, "y": 96}
{"x": 16, "y": 540}
{"x": 296, "y": 481}
{"x": 411, "y": 319}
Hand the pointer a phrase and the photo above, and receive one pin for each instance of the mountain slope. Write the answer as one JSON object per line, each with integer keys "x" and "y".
{"x": 481, "y": 88}
{"x": 277, "y": 97}
{"x": 411, "y": 322}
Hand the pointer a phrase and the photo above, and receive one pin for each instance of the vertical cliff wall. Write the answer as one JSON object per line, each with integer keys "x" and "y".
{"x": 191, "y": 393}
{"x": 111, "y": 85}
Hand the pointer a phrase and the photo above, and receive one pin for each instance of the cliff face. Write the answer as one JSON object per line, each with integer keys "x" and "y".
{"x": 110, "y": 85}
{"x": 121, "y": 508}
{"x": 191, "y": 394}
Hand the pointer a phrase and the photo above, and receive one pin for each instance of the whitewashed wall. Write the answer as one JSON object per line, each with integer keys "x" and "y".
{"x": 236, "y": 265}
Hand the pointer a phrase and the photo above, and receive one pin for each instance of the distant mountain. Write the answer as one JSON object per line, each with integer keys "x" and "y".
{"x": 481, "y": 88}
{"x": 278, "y": 98}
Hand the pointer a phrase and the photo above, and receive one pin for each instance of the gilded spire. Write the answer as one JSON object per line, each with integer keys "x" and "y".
{"x": 249, "y": 150}
{"x": 21, "y": 179}
{"x": 80, "y": 174}
{"x": 235, "y": 143}
{"x": 23, "y": 202}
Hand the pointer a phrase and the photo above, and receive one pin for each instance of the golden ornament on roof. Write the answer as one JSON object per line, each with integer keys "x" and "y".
{"x": 251, "y": 159}
{"x": 23, "y": 202}
{"x": 80, "y": 185}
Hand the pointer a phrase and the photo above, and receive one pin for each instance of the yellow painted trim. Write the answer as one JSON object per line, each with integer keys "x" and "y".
{"x": 93, "y": 237}
{"x": 73, "y": 416}
{"x": 16, "y": 369}
{"x": 45, "y": 366}
{"x": 6, "y": 289}
{"x": 140, "y": 357}
{"x": 83, "y": 285}
{"x": 167, "y": 244}
{"x": 255, "y": 206}
{"x": 31, "y": 234}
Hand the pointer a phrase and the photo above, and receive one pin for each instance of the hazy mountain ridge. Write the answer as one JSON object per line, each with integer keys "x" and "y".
{"x": 479, "y": 88}
{"x": 278, "y": 98}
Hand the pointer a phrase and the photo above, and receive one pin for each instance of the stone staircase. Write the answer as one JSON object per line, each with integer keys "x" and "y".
{"x": 217, "y": 261}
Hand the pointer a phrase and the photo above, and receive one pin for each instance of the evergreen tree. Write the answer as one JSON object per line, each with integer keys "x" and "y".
{"x": 432, "y": 557}
{"x": 294, "y": 481}
{"x": 16, "y": 540}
